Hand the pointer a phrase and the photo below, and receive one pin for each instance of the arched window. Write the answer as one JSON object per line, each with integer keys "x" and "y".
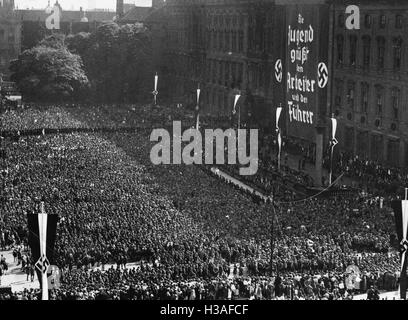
{"x": 397, "y": 53}
{"x": 353, "y": 50}
{"x": 364, "y": 97}
{"x": 379, "y": 99}
{"x": 395, "y": 98}
{"x": 340, "y": 21}
{"x": 340, "y": 49}
{"x": 366, "y": 51}
{"x": 350, "y": 94}
{"x": 380, "y": 52}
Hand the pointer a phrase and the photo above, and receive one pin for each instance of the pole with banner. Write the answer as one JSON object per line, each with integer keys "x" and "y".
{"x": 155, "y": 92}
{"x": 401, "y": 222}
{"x": 198, "y": 108}
{"x": 333, "y": 143}
{"x": 43, "y": 263}
{"x": 42, "y": 233}
{"x": 234, "y": 111}
{"x": 279, "y": 135}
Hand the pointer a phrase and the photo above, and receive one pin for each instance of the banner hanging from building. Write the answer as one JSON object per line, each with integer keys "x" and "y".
{"x": 307, "y": 73}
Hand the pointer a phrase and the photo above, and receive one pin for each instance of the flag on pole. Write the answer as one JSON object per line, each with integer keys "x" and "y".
{"x": 237, "y": 96}
{"x": 42, "y": 233}
{"x": 401, "y": 222}
{"x": 333, "y": 143}
{"x": 155, "y": 92}
{"x": 334, "y": 130}
{"x": 278, "y": 132}
{"x": 198, "y": 108}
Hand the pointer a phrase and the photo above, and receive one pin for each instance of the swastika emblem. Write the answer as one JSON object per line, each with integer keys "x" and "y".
{"x": 334, "y": 142}
{"x": 323, "y": 75}
{"x": 278, "y": 70}
{"x": 155, "y": 92}
{"x": 404, "y": 246}
{"x": 42, "y": 264}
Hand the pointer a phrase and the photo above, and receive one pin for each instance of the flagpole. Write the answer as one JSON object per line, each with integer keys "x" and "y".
{"x": 42, "y": 220}
{"x": 155, "y": 92}
{"x": 279, "y": 136}
{"x": 198, "y": 108}
{"x": 331, "y": 165}
{"x": 333, "y": 144}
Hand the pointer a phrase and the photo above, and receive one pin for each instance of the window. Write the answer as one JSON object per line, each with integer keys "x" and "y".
{"x": 366, "y": 52}
{"x": 339, "y": 92}
{"x": 353, "y": 50}
{"x": 364, "y": 97}
{"x": 340, "y": 21}
{"x": 381, "y": 52}
{"x": 367, "y": 21}
{"x": 350, "y": 94}
{"x": 383, "y": 21}
{"x": 241, "y": 41}
{"x": 395, "y": 97}
{"x": 234, "y": 41}
{"x": 1, "y": 34}
{"x": 380, "y": 100}
{"x": 340, "y": 49}
{"x": 227, "y": 74}
{"x": 398, "y": 22}
{"x": 227, "y": 41}
{"x": 397, "y": 49}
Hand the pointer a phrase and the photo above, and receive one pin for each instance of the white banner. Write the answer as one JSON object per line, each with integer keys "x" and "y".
{"x": 237, "y": 96}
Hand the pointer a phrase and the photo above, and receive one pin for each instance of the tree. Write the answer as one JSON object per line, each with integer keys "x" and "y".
{"x": 117, "y": 60}
{"x": 49, "y": 74}
{"x": 56, "y": 41}
{"x": 79, "y": 43}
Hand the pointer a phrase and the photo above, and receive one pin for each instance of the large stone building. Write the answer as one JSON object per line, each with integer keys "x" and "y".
{"x": 10, "y": 36}
{"x": 370, "y": 92}
{"x": 72, "y": 21}
{"x": 230, "y": 46}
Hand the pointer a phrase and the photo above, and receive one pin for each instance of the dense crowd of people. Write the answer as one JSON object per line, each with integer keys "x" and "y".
{"x": 377, "y": 177}
{"x": 187, "y": 228}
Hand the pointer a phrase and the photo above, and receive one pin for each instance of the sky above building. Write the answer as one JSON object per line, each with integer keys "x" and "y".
{"x": 76, "y": 4}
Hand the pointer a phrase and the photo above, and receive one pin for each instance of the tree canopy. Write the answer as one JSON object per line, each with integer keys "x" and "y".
{"x": 114, "y": 62}
{"x": 47, "y": 73}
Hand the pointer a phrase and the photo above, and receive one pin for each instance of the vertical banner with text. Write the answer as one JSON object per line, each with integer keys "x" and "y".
{"x": 307, "y": 73}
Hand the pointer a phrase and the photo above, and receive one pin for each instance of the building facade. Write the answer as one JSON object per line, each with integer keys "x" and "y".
{"x": 10, "y": 36}
{"x": 229, "y": 47}
{"x": 370, "y": 89}
{"x": 226, "y": 48}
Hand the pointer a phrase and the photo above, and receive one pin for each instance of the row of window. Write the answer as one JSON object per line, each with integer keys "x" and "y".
{"x": 225, "y": 73}
{"x": 370, "y": 145}
{"x": 368, "y": 21}
{"x": 364, "y": 105}
{"x": 227, "y": 41}
{"x": 381, "y": 51}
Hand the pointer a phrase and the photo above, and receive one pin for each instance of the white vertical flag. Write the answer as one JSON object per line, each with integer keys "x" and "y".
{"x": 333, "y": 143}
{"x": 155, "y": 92}
{"x": 42, "y": 228}
{"x": 404, "y": 242}
{"x": 279, "y": 137}
{"x": 334, "y": 129}
{"x": 198, "y": 108}
{"x": 237, "y": 96}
